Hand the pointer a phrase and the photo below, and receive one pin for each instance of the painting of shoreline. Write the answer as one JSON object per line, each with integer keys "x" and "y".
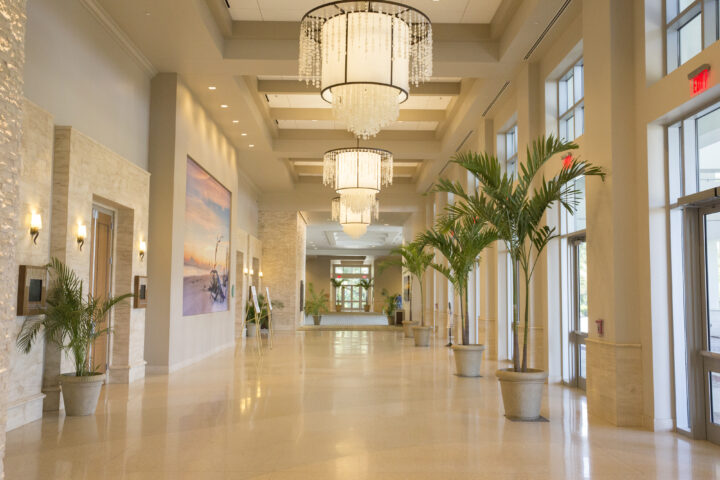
{"x": 207, "y": 243}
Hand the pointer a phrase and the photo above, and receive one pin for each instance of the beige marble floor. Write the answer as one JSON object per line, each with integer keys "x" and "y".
{"x": 345, "y": 405}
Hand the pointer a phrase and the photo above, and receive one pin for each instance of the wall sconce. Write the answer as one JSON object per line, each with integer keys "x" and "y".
{"x": 35, "y": 226}
{"x": 142, "y": 249}
{"x": 81, "y": 235}
{"x": 260, "y": 274}
{"x": 252, "y": 272}
{"x": 245, "y": 271}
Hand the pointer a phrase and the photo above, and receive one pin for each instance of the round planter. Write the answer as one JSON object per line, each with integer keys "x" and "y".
{"x": 468, "y": 359}
{"x": 522, "y": 392}
{"x": 422, "y": 336}
{"x": 338, "y": 307}
{"x": 251, "y": 330}
{"x": 80, "y": 394}
{"x": 367, "y": 307}
{"x": 391, "y": 319}
{"x": 408, "y": 326}
{"x": 316, "y": 319}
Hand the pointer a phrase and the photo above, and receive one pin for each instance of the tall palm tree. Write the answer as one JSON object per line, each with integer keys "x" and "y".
{"x": 415, "y": 259}
{"x": 515, "y": 207}
{"x": 460, "y": 240}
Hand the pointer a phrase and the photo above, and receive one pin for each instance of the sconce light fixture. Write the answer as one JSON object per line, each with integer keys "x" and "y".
{"x": 142, "y": 249}
{"x": 260, "y": 273}
{"x": 35, "y": 226}
{"x": 81, "y": 235}
{"x": 252, "y": 272}
{"x": 245, "y": 271}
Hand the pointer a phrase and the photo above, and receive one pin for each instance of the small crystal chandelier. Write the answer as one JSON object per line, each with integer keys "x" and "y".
{"x": 353, "y": 224}
{"x": 364, "y": 56}
{"x": 357, "y": 174}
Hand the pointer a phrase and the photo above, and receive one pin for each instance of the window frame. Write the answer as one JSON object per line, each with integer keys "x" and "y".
{"x": 571, "y": 112}
{"x": 707, "y": 10}
{"x": 511, "y": 159}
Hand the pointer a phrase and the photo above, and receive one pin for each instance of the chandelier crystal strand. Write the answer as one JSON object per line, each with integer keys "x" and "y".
{"x": 358, "y": 174}
{"x": 364, "y": 56}
{"x": 354, "y": 224}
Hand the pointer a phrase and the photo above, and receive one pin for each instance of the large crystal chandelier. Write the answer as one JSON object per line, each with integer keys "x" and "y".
{"x": 364, "y": 56}
{"x": 357, "y": 174}
{"x": 354, "y": 224}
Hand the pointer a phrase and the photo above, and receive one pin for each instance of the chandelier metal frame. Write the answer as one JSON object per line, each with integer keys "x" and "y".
{"x": 330, "y": 159}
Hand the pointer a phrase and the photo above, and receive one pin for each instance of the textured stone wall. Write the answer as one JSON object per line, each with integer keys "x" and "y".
{"x": 25, "y": 400}
{"x": 12, "y": 60}
{"x": 283, "y": 259}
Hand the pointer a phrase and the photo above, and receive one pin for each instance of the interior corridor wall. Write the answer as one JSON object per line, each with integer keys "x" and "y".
{"x": 80, "y": 73}
{"x": 179, "y": 128}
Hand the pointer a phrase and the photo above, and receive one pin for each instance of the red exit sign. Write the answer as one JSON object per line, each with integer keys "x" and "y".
{"x": 699, "y": 79}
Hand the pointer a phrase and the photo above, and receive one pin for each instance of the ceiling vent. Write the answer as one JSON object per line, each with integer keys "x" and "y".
{"x": 547, "y": 29}
{"x": 496, "y": 98}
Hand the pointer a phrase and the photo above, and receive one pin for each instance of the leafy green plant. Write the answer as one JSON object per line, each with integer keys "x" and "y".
{"x": 390, "y": 303}
{"x": 366, "y": 284}
{"x": 71, "y": 321}
{"x": 415, "y": 259}
{"x": 337, "y": 283}
{"x": 316, "y": 303}
{"x": 250, "y": 310}
{"x": 515, "y": 206}
{"x": 461, "y": 243}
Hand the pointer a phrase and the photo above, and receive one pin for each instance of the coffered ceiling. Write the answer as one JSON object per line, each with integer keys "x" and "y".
{"x": 241, "y": 64}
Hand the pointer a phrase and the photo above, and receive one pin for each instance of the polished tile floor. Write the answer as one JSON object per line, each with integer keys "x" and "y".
{"x": 339, "y": 405}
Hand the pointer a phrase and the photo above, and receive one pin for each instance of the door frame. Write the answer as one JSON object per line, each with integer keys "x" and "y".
{"x": 577, "y": 337}
{"x": 99, "y": 208}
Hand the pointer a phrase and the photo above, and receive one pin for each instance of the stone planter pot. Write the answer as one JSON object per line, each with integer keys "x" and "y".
{"x": 338, "y": 307}
{"x": 408, "y": 328}
{"x": 80, "y": 394}
{"x": 316, "y": 319}
{"x": 251, "y": 330}
{"x": 367, "y": 307}
{"x": 422, "y": 336}
{"x": 391, "y": 319}
{"x": 468, "y": 359}
{"x": 522, "y": 392}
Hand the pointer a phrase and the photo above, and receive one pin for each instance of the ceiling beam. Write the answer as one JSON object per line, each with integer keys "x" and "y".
{"x": 293, "y": 87}
{"x": 410, "y": 115}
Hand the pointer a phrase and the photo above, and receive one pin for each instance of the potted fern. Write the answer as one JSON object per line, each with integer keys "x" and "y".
{"x": 461, "y": 242}
{"x": 390, "y": 305}
{"x": 316, "y": 303}
{"x": 515, "y": 207}
{"x": 337, "y": 283}
{"x": 415, "y": 259}
{"x": 366, "y": 284}
{"x": 73, "y": 323}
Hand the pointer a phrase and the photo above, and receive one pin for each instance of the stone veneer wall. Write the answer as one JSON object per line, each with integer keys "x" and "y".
{"x": 283, "y": 259}
{"x": 25, "y": 399}
{"x": 87, "y": 173}
{"x": 12, "y": 61}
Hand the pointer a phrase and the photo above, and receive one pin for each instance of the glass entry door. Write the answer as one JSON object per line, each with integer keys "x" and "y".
{"x": 710, "y": 350}
{"x": 579, "y": 327}
{"x": 353, "y": 297}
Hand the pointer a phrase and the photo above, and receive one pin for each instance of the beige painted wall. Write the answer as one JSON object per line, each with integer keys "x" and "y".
{"x": 390, "y": 278}
{"x": 317, "y": 272}
{"x": 179, "y": 127}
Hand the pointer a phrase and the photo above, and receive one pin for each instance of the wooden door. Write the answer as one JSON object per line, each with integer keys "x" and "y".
{"x": 100, "y": 276}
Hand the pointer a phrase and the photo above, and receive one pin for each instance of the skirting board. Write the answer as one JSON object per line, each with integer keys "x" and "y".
{"x": 24, "y": 411}
{"x": 165, "y": 370}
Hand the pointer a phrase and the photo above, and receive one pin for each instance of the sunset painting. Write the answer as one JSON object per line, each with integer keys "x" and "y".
{"x": 207, "y": 243}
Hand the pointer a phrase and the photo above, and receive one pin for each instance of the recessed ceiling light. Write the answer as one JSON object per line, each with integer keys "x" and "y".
{"x": 212, "y": 87}
{"x": 251, "y": 145}
{"x": 243, "y": 134}
{"x": 236, "y": 121}
{"x": 223, "y": 106}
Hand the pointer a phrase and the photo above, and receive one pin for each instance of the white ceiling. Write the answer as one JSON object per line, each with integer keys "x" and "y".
{"x": 325, "y": 236}
{"x": 440, "y": 11}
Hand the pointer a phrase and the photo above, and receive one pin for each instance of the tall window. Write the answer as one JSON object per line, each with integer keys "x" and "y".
{"x": 571, "y": 108}
{"x": 511, "y": 150}
{"x": 690, "y": 25}
{"x": 351, "y": 295}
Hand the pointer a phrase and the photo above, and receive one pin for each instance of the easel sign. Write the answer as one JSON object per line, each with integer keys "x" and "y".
{"x": 267, "y": 297}
{"x": 253, "y": 293}
{"x": 258, "y": 335}
{"x": 268, "y": 302}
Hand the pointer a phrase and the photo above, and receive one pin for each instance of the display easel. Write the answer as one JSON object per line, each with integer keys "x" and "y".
{"x": 258, "y": 334}
{"x": 268, "y": 303}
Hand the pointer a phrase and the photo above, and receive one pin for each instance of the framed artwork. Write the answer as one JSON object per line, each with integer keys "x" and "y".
{"x": 407, "y": 287}
{"x": 302, "y": 295}
{"x": 206, "y": 264}
{"x": 140, "y": 296}
{"x": 32, "y": 290}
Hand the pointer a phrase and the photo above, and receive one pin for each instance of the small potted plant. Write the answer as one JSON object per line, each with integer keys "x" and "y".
{"x": 515, "y": 207}
{"x": 316, "y": 303}
{"x": 72, "y": 322}
{"x": 337, "y": 283}
{"x": 390, "y": 305}
{"x": 366, "y": 284}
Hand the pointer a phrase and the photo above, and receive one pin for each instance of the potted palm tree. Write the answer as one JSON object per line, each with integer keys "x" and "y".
{"x": 337, "y": 283}
{"x": 72, "y": 322}
{"x": 415, "y": 259}
{"x": 316, "y": 303}
{"x": 366, "y": 284}
{"x": 461, "y": 241}
{"x": 515, "y": 208}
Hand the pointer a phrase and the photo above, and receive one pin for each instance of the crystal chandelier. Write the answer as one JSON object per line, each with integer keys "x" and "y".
{"x": 357, "y": 174}
{"x": 354, "y": 224}
{"x": 364, "y": 56}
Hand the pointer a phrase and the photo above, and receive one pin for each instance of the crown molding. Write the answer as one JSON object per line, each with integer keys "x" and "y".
{"x": 104, "y": 18}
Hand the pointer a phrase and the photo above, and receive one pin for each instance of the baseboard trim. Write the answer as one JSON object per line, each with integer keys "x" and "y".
{"x": 24, "y": 411}
{"x": 166, "y": 370}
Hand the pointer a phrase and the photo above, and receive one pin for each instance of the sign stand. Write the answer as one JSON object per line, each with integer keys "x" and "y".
{"x": 258, "y": 335}
{"x": 271, "y": 332}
